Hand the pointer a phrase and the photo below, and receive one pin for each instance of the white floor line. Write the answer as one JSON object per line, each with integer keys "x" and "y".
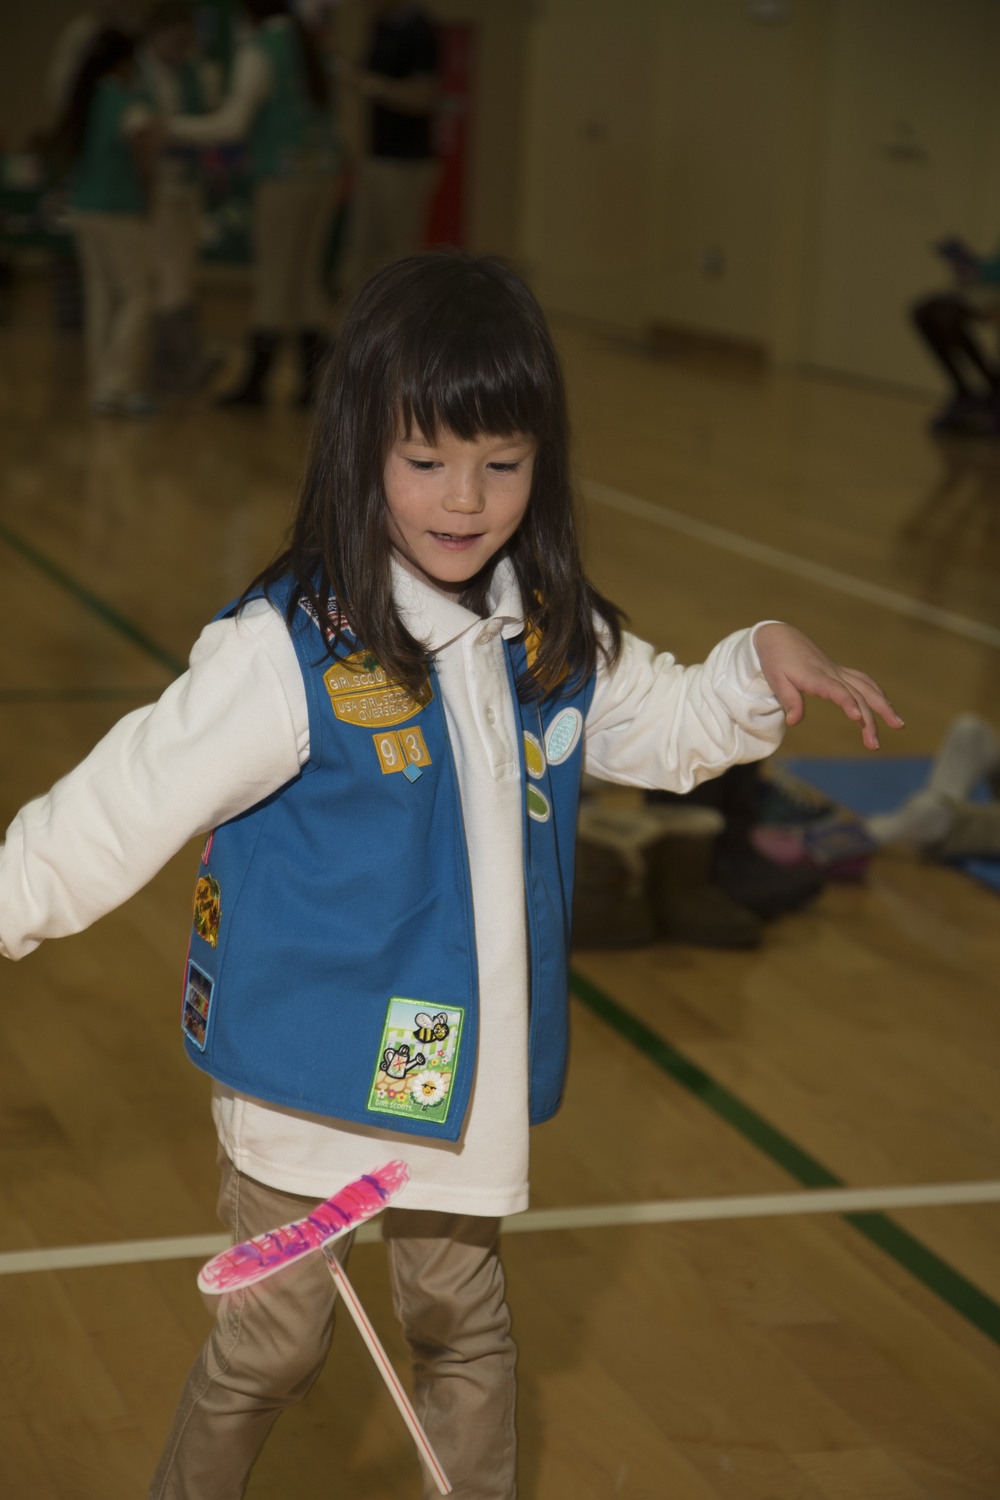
{"x": 599, "y": 1216}
{"x": 788, "y": 562}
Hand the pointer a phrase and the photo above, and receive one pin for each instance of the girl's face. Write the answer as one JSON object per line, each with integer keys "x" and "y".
{"x": 454, "y": 504}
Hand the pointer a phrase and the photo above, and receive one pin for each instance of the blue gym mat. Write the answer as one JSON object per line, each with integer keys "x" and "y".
{"x": 879, "y": 783}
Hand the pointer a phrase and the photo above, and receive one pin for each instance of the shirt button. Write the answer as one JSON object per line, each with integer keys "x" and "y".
{"x": 491, "y": 716}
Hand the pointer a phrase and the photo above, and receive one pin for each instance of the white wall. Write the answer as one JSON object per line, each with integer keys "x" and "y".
{"x": 687, "y": 164}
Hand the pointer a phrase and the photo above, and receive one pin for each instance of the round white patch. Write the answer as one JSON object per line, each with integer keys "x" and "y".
{"x": 562, "y": 735}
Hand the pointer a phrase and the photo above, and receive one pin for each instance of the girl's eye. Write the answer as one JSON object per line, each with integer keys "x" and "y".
{"x": 510, "y": 468}
{"x": 422, "y": 465}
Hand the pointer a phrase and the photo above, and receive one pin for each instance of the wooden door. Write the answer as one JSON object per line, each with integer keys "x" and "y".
{"x": 912, "y": 95}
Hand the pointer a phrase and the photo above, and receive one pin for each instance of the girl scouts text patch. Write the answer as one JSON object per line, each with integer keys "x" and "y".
{"x": 417, "y": 1061}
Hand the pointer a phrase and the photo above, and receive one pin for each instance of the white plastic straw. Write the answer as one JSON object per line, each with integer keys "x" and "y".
{"x": 378, "y": 1354}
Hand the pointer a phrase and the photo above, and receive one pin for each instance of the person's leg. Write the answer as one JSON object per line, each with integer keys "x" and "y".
{"x": 176, "y": 357}
{"x": 448, "y": 1288}
{"x": 360, "y": 250}
{"x": 97, "y": 303}
{"x": 969, "y": 751}
{"x": 174, "y": 224}
{"x": 310, "y": 303}
{"x": 945, "y": 325}
{"x": 267, "y": 1348}
{"x": 127, "y": 242}
{"x": 270, "y": 252}
{"x": 410, "y": 188}
{"x": 937, "y": 819}
{"x": 276, "y": 215}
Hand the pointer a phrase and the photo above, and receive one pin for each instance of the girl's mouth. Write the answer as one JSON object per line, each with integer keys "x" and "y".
{"x": 455, "y": 543}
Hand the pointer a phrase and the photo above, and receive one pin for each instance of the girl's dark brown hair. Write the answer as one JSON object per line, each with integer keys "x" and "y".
{"x": 441, "y": 342}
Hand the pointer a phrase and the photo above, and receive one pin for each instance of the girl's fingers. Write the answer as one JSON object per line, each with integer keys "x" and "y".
{"x": 873, "y": 694}
{"x": 853, "y": 703}
{"x": 791, "y": 701}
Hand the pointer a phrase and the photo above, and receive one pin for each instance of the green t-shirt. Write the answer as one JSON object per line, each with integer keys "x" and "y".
{"x": 105, "y": 178}
{"x": 291, "y": 137}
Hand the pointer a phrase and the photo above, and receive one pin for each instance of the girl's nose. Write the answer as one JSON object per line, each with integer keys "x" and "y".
{"x": 466, "y": 494}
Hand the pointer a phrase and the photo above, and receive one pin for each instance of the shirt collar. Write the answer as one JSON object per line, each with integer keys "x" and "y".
{"x": 436, "y": 621}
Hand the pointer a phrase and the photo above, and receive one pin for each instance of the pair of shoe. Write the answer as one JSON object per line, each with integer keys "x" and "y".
{"x": 262, "y": 351}
{"x": 645, "y": 873}
{"x": 136, "y": 404}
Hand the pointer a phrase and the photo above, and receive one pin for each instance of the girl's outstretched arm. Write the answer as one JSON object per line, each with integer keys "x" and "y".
{"x": 654, "y": 723}
{"x": 796, "y": 669}
{"x": 222, "y": 737}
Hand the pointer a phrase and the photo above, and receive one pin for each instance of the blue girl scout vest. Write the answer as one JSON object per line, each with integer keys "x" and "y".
{"x": 332, "y": 966}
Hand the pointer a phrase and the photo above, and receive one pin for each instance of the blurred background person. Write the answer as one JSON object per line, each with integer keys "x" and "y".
{"x": 72, "y": 44}
{"x": 397, "y": 173}
{"x": 950, "y": 324}
{"x": 108, "y": 140}
{"x": 177, "y": 81}
{"x": 280, "y": 105}
{"x": 75, "y": 41}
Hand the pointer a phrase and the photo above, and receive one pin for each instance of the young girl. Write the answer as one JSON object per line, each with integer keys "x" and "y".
{"x": 387, "y": 734}
{"x": 108, "y": 134}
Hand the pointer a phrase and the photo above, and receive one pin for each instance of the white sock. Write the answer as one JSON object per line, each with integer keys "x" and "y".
{"x": 970, "y": 751}
{"x": 922, "y": 822}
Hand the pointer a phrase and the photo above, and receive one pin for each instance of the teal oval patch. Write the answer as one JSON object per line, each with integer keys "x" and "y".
{"x": 562, "y": 735}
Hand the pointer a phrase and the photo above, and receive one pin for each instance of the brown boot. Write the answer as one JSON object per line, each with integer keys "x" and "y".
{"x": 686, "y": 906}
{"x": 611, "y": 902}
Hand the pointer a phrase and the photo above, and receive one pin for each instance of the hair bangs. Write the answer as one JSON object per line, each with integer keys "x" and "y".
{"x": 471, "y": 364}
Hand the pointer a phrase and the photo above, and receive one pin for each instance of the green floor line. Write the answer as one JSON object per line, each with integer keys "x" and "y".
{"x": 91, "y": 601}
{"x": 77, "y": 694}
{"x": 935, "y": 1274}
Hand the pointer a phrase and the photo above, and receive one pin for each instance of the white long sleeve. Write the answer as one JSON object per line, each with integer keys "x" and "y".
{"x": 252, "y": 81}
{"x": 227, "y": 733}
{"x": 653, "y": 723}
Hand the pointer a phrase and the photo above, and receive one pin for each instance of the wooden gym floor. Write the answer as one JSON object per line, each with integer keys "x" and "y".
{"x": 808, "y": 1357}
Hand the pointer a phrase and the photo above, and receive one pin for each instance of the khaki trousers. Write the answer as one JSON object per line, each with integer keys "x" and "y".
{"x": 270, "y": 1342}
{"x": 174, "y": 224}
{"x": 114, "y": 255}
{"x": 389, "y": 212}
{"x": 291, "y": 223}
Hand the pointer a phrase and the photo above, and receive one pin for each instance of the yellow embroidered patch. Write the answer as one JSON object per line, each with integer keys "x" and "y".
{"x": 361, "y": 693}
{"x": 399, "y": 748}
{"x": 534, "y": 756}
{"x": 208, "y": 909}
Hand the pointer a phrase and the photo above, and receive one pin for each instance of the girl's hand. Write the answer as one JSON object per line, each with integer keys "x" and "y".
{"x": 796, "y": 668}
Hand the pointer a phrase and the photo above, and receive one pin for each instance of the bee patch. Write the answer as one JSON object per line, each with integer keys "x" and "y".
{"x": 208, "y": 909}
{"x": 417, "y": 1061}
{"x": 197, "y": 1004}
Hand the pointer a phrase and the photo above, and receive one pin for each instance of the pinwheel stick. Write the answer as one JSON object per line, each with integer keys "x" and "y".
{"x": 378, "y": 1354}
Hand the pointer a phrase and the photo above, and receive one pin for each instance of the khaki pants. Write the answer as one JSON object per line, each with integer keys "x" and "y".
{"x": 270, "y": 1342}
{"x": 114, "y": 255}
{"x": 291, "y": 223}
{"x": 174, "y": 224}
{"x": 388, "y": 214}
